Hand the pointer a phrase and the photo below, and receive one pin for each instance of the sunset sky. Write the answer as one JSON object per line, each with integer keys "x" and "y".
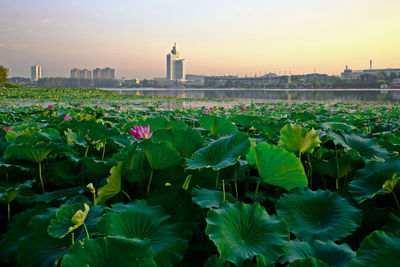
{"x": 215, "y": 36}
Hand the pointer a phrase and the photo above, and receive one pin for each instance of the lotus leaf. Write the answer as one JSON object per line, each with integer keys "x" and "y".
{"x": 206, "y": 198}
{"x": 320, "y": 214}
{"x": 217, "y": 126}
{"x": 138, "y": 220}
{"x": 110, "y": 251}
{"x": 328, "y": 252}
{"x": 112, "y": 187}
{"x": 378, "y": 249}
{"x": 278, "y": 167}
{"x": 160, "y": 155}
{"x": 297, "y": 139}
{"x": 367, "y": 148}
{"x": 241, "y": 231}
{"x": 220, "y": 153}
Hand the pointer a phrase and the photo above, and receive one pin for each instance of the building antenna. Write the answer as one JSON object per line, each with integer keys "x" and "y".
{"x": 370, "y": 64}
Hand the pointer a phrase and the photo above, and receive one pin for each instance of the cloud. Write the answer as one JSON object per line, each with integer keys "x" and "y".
{"x": 45, "y": 20}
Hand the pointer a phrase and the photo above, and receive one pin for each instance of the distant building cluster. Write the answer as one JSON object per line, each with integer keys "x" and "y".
{"x": 175, "y": 66}
{"x": 354, "y": 74}
{"x": 96, "y": 74}
{"x": 36, "y": 73}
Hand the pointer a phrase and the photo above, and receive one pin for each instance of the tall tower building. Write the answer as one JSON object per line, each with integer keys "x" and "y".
{"x": 36, "y": 73}
{"x": 175, "y": 65}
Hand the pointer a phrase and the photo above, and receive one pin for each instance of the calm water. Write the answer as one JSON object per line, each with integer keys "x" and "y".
{"x": 276, "y": 95}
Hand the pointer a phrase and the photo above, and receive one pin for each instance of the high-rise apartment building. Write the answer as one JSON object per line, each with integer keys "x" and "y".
{"x": 75, "y": 73}
{"x": 86, "y": 74}
{"x": 36, "y": 72}
{"x": 107, "y": 74}
{"x": 97, "y": 74}
{"x": 175, "y": 65}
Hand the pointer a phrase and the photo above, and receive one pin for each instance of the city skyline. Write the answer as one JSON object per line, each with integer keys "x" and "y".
{"x": 218, "y": 37}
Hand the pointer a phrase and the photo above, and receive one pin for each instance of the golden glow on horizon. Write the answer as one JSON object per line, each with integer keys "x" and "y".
{"x": 215, "y": 37}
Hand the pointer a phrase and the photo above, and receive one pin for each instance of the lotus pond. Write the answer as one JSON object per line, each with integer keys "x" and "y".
{"x": 257, "y": 185}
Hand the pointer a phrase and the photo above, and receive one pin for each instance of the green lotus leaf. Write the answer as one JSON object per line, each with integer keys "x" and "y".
{"x": 322, "y": 215}
{"x": 367, "y": 148}
{"x": 110, "y": 251}
{"x": 278, "y": 167}
{"x": 378, "y": 249}
{"x": 217, "y": 126}
{"x": 132, "y": 161}
{"x": 214, "y": 261}
{"x": 38, "y": 248}
{"x": 375, "y": 179}
{"x": 86, "y": 132}
{"x": 297, "y": 139}
{"x": 68, "y": 218}
{"x": 177, "y": 203}
{"x": 206, "y": 198}
{"x": 220, "y": 153}
{"x": 308, "y": 262}
{"x": 138, "y": 220}
{"x": 328, "y": 252}
{"x": 15, "y": 231}
{"x": 9, "y": 193}
{"x": 75, "y": 138}
{"x": 112, "y": 187}
{"x": 241, "y": 231}
{"x": 160, "y": 155}
{"x": 58, "y": 196}
{"x": 184, "y": 141}
{"x": 337, "y": 126}
{"x": 36, "y": 153}
{"x": 158, "y": 123}
{"x": 393, "y": 224}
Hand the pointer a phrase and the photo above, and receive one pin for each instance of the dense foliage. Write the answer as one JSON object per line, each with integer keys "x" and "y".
{"x": 284, "y": 184}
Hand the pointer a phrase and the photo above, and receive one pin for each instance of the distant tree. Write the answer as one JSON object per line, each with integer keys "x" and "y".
{"x": 3, "y": 74}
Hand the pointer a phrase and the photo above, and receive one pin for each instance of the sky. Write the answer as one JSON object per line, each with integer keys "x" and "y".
{"x": 216, "y": 37}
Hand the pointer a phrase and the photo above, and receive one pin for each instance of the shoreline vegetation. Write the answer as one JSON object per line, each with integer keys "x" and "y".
{"x": 91, "y": 177}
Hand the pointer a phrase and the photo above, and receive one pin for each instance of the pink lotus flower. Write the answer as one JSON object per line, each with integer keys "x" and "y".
{"x": 313, "y": 111}
{"x": 206, "y": 111}
{"x": 50, "y": 106}
{"x": 274, "y": 107}
{"x": 210, "y": 108}
{"x": 67, "y": 117}
{"x": 97, "y": 106}
{"x": 243, "y": 108}
{"x": 6, "y": 128}
{"x": 83, "y": 101}
{"x": 79, "y": 106}
{"x": 105, "y": 114}
{"x": 116, "y": 108}
{"x": 140, "y": 132}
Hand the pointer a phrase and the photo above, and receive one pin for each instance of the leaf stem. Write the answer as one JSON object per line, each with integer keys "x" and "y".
{"x": 73, "y": 238}
{"x": 217, "y": 180}
{"x": 86, "y": 230}
{"x": 40, "y": 175}
{"x": 104, "y": 150}
{"x": 223, "y": 191}
{"x": 86, "y": 151}
{"x": 149, "y": 183}
{"x": 236, "y": 190}
{"x": 8, "y": 212}
{"x": 397, "y": 201}
{"x": 126, "y": 194}
{"x": 256, "y": 192}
